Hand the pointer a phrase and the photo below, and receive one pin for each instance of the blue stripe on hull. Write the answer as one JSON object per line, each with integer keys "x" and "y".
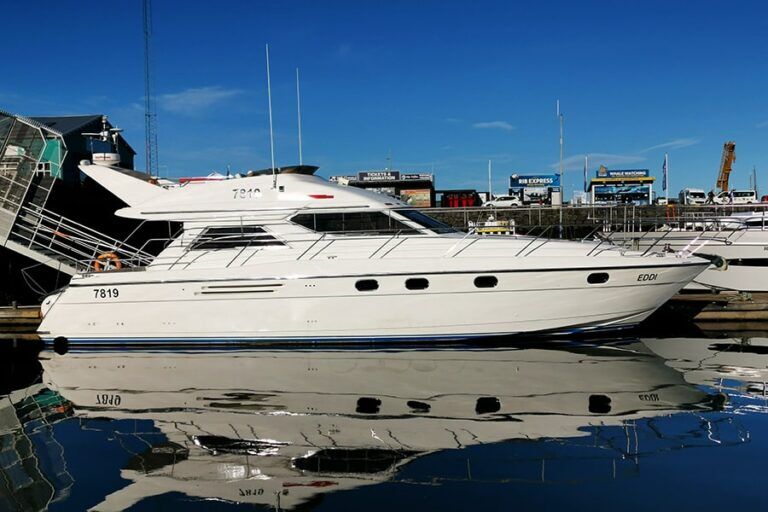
{"x": 337, "y": 339}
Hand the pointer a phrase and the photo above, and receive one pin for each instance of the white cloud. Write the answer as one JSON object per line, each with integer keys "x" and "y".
{"x": 194, "y": 100}
{"x": 761, "y": 124}
{"x": 494, "y": 125}
{"x": 673, "y": 144}
{"x": 576, "y": 162}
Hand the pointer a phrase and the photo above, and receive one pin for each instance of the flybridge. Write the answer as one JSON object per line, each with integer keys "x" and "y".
{"x": 251, "y": 196}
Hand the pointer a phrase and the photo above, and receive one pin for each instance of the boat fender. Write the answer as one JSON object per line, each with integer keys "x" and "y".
{"x": 61, "y": 345}
{"x": 720, "y": 263}
{"x": 104, "y": 260}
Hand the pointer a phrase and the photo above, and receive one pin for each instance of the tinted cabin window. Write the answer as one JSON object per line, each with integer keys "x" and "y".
{"x": 367, "y": 285}
{"x": 426, "y": 221}
{"x": 352, "y": 223}
{"x": 486, "y": 281}
{"x": 233, "y": 236}
{"x": 417, "y": 283}
{"x": 597, "y": 278}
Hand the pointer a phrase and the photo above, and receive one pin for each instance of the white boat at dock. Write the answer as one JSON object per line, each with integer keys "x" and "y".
{"x": 737, "y": 245}
{"x": 291, "y": 257}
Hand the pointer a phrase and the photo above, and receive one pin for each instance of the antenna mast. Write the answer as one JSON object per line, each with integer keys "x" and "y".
{"x": 150, "y": 118}
{"x": 271, "y": 135}
{"x": 298, "y": 109}
{"x": 490, "y": 186}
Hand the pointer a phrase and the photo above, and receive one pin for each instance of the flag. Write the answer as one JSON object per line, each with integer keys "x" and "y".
{"x": 664, "y": 182}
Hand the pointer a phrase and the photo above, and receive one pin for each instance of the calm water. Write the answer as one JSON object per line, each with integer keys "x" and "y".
{"x": 630, "y": 424}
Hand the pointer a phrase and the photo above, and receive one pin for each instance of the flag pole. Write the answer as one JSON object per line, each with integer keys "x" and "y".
{"x": 666, "y": 176}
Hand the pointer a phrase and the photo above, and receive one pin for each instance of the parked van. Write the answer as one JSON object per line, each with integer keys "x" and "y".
{"x": 736, "y": 197}
{"x": 692, "y": 196}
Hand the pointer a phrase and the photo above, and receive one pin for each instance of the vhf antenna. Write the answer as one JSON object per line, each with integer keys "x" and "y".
{"x": 271, "y": 135}
{"x": 298, "y": 109}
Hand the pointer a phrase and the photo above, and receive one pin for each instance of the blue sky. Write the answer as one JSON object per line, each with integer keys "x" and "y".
{"x": 444, "y": 85}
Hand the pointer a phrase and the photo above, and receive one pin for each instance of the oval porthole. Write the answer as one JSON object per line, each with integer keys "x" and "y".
{"x": 367, "y": 285}
{"x": 486, "y": 281}
{"x": 487, "y": 405}
{"x": 417, "y": 283}
{"x": 597, "y": 278}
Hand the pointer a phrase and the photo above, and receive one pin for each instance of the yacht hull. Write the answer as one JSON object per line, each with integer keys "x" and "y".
{"x": 101, "y": 309}
{"x": 745, "y": 253}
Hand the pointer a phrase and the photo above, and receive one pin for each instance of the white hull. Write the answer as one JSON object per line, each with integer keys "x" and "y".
{"x": 329, "y": 308}
{"x": 745, "y": 251}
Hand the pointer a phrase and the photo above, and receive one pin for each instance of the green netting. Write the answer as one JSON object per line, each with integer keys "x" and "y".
{"x": 53, "y": 153}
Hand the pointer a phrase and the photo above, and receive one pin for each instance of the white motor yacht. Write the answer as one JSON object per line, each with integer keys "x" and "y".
{"x": 736, "y": 244}
{"x": 291, "y": 257}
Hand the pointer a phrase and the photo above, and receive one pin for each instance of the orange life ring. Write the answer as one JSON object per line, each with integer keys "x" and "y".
{"x": 100, "y": 263}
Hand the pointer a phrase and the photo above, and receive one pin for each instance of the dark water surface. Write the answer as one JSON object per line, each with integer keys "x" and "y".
{"x": 624, "y": 424}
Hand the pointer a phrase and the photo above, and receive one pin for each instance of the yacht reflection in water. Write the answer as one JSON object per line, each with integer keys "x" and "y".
{"x": 738, "y": 366}
{"x": 283, "y": 428}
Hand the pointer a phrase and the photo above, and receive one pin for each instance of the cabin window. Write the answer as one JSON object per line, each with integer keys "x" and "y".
{"x": 367, "y": 285}
{"x": 486, "y": 281}
{"x": 426, "y": 221}
{"x": 233, "y": 236}
{"x": 597, "y": 278}
{"x": 352, "y": 223}
{"x": 416, "y": 283}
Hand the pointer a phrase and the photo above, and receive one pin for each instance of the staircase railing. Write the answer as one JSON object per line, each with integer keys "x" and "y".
{"x": 69, "y": 241}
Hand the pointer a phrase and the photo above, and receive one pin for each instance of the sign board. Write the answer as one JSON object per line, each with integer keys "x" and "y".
{"x": 421, "y": 197}
{"x": 537, "y": 180}
{"x": 617, "y": 194}
{"x": 378, "y": 176}
{"x": 416, "y": 177}
{"x": 622, "y": 173}
{"x": 336, "y": 179}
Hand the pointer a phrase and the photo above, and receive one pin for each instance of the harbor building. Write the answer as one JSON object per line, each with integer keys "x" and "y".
{"x": 621, "y": 186}
{"x": 80, "y": 146}
{"x": 416, "y": 189}
{"x": 536, "y": 188}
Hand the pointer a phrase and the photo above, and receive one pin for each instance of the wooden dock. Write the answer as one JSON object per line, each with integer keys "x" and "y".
{"x": 730, "y": 307}
{"x": 19, "y": 319}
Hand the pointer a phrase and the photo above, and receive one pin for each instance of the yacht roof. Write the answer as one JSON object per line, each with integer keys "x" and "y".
{"x": 250, "y": 196}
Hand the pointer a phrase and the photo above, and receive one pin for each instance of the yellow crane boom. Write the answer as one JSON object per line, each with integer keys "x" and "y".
{"x": 726, "y": 165}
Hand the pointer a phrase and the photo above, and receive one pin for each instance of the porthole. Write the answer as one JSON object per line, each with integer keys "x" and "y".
{"x": 597, "y": 278}
{"x": 487, "y": 405}
{"x": 486, "y": 281}
{"x": 368, "y": 405}
{"x": 367, "y": 285}
{"x": 417, "y": 283}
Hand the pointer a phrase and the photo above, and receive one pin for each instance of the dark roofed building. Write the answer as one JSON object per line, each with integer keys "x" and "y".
{"x": 80, "y": 147}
